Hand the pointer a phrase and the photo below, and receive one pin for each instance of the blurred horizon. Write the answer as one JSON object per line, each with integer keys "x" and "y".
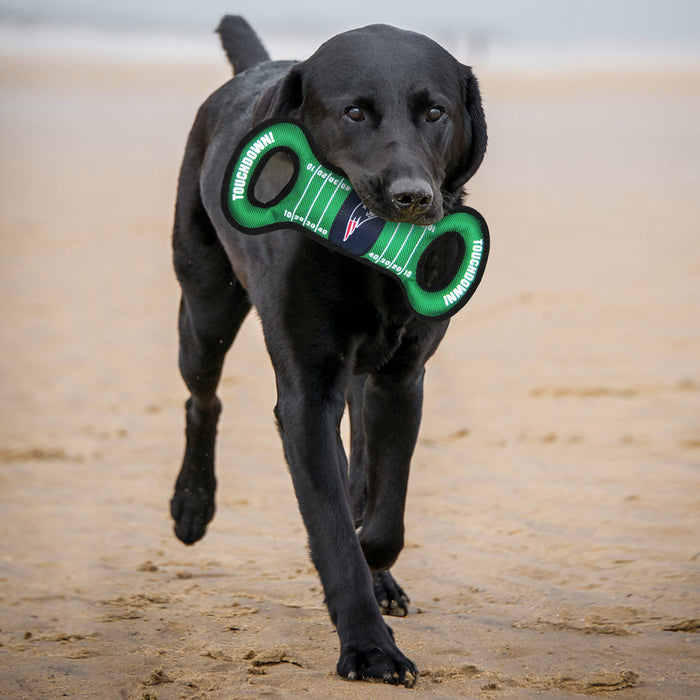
{"x": 541, "y": 32}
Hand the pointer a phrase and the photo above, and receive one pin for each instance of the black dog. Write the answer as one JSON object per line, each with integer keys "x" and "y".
{"x": 403, "y": 120}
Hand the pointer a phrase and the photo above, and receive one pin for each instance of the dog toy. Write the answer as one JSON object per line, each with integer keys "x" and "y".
{"x": 322, "y": 203}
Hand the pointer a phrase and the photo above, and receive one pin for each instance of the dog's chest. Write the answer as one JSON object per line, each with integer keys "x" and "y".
{"x": 378, "y": 348}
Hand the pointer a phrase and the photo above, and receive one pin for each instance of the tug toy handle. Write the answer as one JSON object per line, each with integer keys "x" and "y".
{"x": 322, "y": 203}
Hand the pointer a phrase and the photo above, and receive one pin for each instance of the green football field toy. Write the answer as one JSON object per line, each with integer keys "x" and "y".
{"x": 322, "y": 203}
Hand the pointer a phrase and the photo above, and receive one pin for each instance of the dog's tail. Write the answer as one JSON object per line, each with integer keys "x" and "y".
{"x": 241, "y": 44}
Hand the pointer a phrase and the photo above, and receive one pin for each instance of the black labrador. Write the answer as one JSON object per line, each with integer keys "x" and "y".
{"x": 402, "y": 119}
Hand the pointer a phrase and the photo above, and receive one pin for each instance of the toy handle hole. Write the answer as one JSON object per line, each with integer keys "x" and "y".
{"x": 274, "y": 177}
{"x": 440, "y": 262}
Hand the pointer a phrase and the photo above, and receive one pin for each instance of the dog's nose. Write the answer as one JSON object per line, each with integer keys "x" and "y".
{"x": 411, "y": 196}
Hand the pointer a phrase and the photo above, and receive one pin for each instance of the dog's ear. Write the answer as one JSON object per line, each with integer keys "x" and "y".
{"x": 283, "y": 99}
{"x": 475, "y": 128}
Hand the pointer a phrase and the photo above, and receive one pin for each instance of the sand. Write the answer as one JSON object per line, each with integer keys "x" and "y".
{"x": 553, "y": 522}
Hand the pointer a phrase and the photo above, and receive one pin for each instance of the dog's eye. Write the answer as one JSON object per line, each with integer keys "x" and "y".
{"x": 354, "y": 113}
{"x": 434, "y": 113}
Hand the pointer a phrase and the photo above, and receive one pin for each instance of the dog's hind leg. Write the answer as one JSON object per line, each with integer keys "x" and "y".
{"x": 212, "y": 309}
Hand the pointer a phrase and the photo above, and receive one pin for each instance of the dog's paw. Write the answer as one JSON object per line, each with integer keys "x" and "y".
{"x": 192, "y": 509}
{"x": 391, "y": 598}
{"x": 374, "y": 663}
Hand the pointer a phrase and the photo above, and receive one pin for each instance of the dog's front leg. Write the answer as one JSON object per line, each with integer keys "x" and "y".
{"x": 390, "y": 597}
{"x": 309, "y": 408}
{"x": 392, "y": 407}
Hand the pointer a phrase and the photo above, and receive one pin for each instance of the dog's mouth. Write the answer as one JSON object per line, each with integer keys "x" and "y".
{"x": 419, "y": 219}
{"x": 409, "y": 210}
{"x": 392, "y": 202}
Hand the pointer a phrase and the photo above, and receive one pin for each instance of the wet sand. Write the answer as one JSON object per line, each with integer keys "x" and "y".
{"x": 554, "y": 509}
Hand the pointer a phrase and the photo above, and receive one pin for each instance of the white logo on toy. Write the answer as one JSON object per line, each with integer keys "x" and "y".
{"x": 359, "y": 215}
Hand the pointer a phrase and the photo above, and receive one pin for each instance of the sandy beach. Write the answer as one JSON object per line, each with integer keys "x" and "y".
{"x": 553, "y": 520}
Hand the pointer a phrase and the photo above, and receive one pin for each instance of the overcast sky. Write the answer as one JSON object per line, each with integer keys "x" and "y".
{"x": 628, "y": 20}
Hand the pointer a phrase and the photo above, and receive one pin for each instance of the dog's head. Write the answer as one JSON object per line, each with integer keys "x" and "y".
{"x": 392, "y": 110}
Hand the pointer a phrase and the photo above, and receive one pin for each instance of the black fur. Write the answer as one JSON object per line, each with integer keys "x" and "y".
{"x": 403, "y": 120}
{"x": 241, "y": 44}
